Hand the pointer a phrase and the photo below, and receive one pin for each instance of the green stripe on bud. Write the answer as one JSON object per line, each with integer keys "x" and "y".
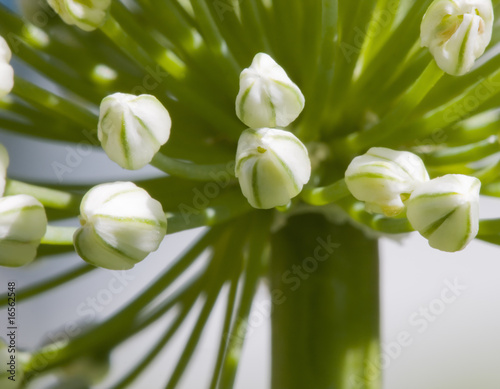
{"x": 272, "y": 167}
{"x": 457, "y": 32}
{"x": 133, "y": 128}
{"x": 23, "y": 224}
{"x": 85, "y": 14}
{"x": 445, "y": 210}
{"x": 384, "y": 179}
{"x": 267, "y": 96}
{"x": 6, "y": 71}
{"x": 121, "y": 225}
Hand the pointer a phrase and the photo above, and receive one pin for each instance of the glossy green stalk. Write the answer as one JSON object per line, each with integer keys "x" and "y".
{"x": 51, "y": 198}
{"x": 325, "y": 322}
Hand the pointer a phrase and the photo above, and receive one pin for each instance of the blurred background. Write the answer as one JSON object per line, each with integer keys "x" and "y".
{"x": 440, "y": 312}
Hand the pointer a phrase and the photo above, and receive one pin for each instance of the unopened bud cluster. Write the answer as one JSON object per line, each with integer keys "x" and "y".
{"x": 272, "y": 165}
{"x": 444, "y": 210}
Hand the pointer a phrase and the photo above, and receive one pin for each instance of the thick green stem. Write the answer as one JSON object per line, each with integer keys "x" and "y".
{"x": 51, "y": 198}
{"x": 59, "y": 236}
{"x": 192, "y": 171}
{"x": 325, "y": 325}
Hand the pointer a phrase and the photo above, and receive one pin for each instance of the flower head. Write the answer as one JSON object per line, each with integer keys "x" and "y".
{"x": 6, "y": 71}
{"x": 85, "y": 14}
{"x": 445, "y": 210}
{"x": 384, "y": 178}
{"x": 133, "y": 128}
{"x": 121, "y": 225}
{"x": 23, "y": 223}
{"x": 267, "y": 96}
{"x": 272, "y": 167}
{"x": 457, "y": 32}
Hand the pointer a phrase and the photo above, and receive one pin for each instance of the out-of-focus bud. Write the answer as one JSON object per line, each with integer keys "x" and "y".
{"x": 457, "y": 32}
{"x": 272, "y": 167}
{"x": 85, "y": 14}
{"x": 4, "y": 164}
{"x": 445, "y": 210}
{"x": 6, "y": 71}
{"x": 23, "y": 223}
{"x": 121, "y": 225}
{"x": 385, "y": 178}
{"x": 133, "y": 128}
{"x": 83, "y": 372}
{"x": 267, "y": 96}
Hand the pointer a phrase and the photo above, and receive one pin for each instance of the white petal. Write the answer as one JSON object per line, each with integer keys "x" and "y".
{"x": 272, "y": 167}
{"x": 267, "y": 97}
{"x": 23, "y": 224}
{"x": 122, "y": 224}
{"x": 133, "y": 128}
{"x": 383, "y": 177}
{"x": 457, "y": 32}
{"x": 446, "y": 211}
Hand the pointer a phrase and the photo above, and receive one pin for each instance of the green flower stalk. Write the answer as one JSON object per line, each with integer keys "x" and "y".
{"x": 4, "y": 164}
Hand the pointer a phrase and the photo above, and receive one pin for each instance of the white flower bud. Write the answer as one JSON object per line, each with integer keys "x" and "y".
{"x": 267, "y": 96}
{"x": 385, "y": 178}
{"x": 445, "y": 210}
{"x": 5, "y": 361}
{"x": 133, "y": 128}
{"x": 457, "y": 32}
{"x": 272, "y": 167}
{"x": 6, "y": 71}
{"x": 85, "y": 14}
{"x": 121, "y": 225}
{"x": 4, "y": 164}
{"x": 23, "y": 223}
